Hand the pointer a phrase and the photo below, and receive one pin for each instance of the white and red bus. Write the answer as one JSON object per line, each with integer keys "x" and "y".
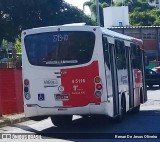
{"x": 81, "y": 70}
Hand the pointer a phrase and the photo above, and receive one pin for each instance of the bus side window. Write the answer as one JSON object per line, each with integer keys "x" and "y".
{"x": 125, "y": 56}
{"x": 135, "y": 56}
{"x": 120, "y": 54}
{"x": 106, "y": 52}
{"x": 138, "y": 57}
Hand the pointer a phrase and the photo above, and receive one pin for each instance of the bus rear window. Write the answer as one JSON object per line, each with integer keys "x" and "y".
{"x": 60, "y": 48}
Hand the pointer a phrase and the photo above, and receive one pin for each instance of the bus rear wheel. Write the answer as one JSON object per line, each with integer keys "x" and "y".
{"x": 61, "y": 120}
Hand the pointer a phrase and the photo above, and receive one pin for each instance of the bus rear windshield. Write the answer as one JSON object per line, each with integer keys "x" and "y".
{"x": 64, "y": 48}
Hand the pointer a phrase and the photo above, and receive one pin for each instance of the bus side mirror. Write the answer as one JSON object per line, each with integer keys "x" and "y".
{"x": 146, "y": 61}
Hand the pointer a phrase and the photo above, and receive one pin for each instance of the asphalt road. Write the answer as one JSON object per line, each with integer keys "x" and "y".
{"x": 146, "y": 122}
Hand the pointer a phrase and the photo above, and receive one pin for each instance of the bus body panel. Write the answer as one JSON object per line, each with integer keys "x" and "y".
{"x": 72, "y": 87}
{"x": 90, "y": 109}
{"x": 79, "y": 84}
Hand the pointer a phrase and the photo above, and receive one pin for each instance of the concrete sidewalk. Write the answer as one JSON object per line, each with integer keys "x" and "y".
{"x": 8, "y": 120}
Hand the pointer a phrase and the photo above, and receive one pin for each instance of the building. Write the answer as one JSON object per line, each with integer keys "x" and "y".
{"x": 155, "y": 3}
{"x": 116, "y": 16}
{"x": 149, "y": 34}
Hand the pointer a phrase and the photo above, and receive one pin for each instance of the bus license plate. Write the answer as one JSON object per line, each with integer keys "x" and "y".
{"x": 61, "y": 97}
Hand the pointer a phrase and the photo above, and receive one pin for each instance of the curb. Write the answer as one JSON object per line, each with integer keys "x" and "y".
{"x": 9, "y": 120}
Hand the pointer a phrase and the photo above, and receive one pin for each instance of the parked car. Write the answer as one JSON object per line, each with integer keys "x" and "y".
{"x": 156, "y": 69}
{"x": 152, "y": 77}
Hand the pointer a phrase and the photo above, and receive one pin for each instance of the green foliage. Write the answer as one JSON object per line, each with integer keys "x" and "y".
{"x": 18, "y": 15}
{"x": 141, "y": 19}
{"x": 93, "y": 8}
{"x": 5, "y": 44}
{"x": 18, "y": 46}
{"x": 148, "y": 18}
{"x": 87, "y": 3}
{"x": 92, "y": 5}
{"x": 105, "y": 1}
{"x": 157, "y": 22}
{"x": 72, "y": 14}
{"x": 135, "y": 5}
{"x": 104, "y": 4}
{"x": 155, "y": 12}
{"x": 118, "y": 4}
{"x": 141, "y": 13}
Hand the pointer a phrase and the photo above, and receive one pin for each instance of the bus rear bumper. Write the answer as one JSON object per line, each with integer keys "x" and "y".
{"x": 35, "y": 110}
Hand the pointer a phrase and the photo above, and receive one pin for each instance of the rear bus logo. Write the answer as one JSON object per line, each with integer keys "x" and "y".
{"x": 50, "y": 83}
{"x": 61, "y": 88}
{"x": 75, "y": 87}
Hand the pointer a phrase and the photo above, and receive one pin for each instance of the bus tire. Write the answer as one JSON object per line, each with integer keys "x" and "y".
{"x": 120, "y": 117}
{"x": 61, "y": 120}
{"x": 137, "y": 108}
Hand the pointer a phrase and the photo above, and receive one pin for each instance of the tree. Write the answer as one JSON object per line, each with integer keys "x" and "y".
{"x": 92, "y": 5}
{"x": 72, "y": 14}
{"x": 145, "y": 18}
{"x": 141, "y": 13}
{"x": 141, "y": 19}
{"x": 18, "y": 15}
{"x": 18, "y": 46}
{"x": 104, "y": 4}
{"x": 155, "y": 13}
{"x": 157, "y": 22}
{"x": 135, "y": 5}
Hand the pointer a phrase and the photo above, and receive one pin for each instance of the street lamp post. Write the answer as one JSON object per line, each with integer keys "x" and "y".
{"x": 98, "y": 16}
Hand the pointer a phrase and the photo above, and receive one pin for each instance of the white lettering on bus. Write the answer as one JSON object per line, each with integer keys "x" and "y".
{"x": 59, "y": 38}
{"x": 75, "y": 87}
{"x": 62, "y": 62}
{"x": 76, "y": 81}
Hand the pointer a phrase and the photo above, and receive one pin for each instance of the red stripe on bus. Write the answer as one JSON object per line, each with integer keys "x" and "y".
{"x": 79, "y": 84}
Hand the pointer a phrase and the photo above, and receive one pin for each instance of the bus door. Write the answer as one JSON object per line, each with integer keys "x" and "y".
{"x": 130, "y": 77}
{"x": 107, "y": 67}
{"x": 132, "y": 65}
{"x": 138, "y": 64}
{"x": 120, "y": 69}
{"x": 114, "y": 79}
{"x": 143, "y": 77}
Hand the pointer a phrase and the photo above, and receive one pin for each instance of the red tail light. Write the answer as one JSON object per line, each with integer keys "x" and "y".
{"x": 97, "y": 79}
{"x": 26, "y": 82}
{"x": 98, "y": 86}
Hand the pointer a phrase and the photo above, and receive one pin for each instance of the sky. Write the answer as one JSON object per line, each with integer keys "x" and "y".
{"x": 79, "y": 4}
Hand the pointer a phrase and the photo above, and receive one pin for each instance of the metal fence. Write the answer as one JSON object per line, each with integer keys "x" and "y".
{"x": 10, "y": 63}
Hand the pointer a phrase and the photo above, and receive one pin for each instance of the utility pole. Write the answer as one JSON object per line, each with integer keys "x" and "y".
{"x": 98, "y": 16}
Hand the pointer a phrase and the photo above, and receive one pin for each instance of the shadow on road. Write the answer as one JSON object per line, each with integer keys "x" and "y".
{"x": 102, "y": 127}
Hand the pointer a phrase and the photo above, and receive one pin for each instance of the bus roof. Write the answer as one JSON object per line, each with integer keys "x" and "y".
{"x": 119, "y": 35}
{"x": 104, "y": 31}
